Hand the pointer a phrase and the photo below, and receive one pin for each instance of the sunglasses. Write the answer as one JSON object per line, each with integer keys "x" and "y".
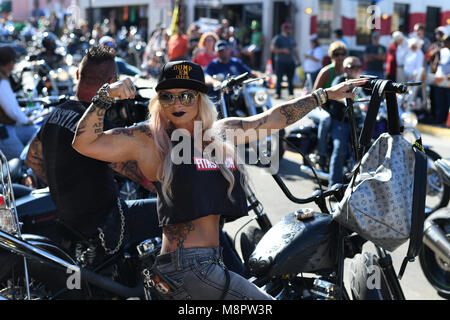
{"x": 339, "y": 54}
{"x": 186, "y": 98}
{"x": 354, "y": 67}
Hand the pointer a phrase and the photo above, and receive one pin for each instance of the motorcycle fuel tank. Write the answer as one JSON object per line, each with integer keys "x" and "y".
{"x": 302, "y": 241}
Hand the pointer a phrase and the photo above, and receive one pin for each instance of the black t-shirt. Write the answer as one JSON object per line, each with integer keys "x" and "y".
{"x": 199, "y": 189}
{"x": 376, "y": 65}
{"x": 83, "y": 189}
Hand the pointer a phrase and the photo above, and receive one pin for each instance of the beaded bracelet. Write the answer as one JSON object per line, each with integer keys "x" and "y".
{"x": 321, "y": 96}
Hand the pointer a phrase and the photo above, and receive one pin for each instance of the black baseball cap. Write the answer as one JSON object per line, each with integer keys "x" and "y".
{"x": 221, "y": 45}
{"x": 182, "y": 74}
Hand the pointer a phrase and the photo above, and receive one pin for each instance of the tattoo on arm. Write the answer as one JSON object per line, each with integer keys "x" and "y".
{"x": 97, "y": 125}
{"x": 178, "y": 232}
{"x": 35, "y": 159}
{"x": 131, "y": 170}
{"x": 293, "y": 112}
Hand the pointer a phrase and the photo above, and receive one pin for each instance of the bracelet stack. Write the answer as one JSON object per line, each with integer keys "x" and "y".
{"x": 321, "y": 96}
{"x": 101, "y": 99}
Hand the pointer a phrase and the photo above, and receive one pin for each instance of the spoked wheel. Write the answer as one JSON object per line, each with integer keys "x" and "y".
{"x": 438, "y": 193}
{"x": 436, "y": 270}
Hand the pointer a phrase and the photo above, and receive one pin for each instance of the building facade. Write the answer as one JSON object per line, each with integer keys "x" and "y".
{"x": 356, "y": 18}
{"x": 21, "y": 10}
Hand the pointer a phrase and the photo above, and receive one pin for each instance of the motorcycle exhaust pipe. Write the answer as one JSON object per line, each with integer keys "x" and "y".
{"x": 436, "y": 240}
{"x": 320, "y": 174}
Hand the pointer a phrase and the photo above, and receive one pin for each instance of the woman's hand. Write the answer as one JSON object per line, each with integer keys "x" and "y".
{"x": 344, "y": 90}
{"x": 122, "y": 89}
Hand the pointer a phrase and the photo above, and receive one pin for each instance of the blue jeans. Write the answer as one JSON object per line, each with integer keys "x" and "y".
{"x": 323, "y": 118}
{"x": 340, "y": 132}
{"x": 199, "y": 274}
{"x": 288, "y": 69}
{"x": 18, "y": 137}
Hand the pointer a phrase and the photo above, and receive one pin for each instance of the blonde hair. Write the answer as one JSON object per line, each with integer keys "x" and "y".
{"x": 336, "y": 45}
{"x": 207, "y": 114}
{"x": 201, "y": 42}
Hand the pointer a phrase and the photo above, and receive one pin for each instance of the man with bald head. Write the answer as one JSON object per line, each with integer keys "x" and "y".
{"x": 83, "y": 189}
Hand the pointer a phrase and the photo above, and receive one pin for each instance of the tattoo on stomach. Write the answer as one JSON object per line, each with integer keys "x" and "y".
{"x": 178, "y": 233}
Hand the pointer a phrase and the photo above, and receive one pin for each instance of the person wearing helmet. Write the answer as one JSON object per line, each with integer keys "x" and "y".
{"x": 48, "y": 53}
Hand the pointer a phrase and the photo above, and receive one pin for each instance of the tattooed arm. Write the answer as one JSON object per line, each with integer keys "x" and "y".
{"x": 249, "y": 128}
{"x": 131, "y": 170}
{"x": 116, "y": 145}
{"x": 35, "y": 159}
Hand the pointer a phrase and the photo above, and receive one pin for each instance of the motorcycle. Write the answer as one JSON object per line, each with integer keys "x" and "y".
{"x": 435, "y": 254}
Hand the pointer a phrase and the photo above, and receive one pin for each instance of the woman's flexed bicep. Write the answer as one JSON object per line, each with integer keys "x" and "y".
{"x": 116, "y": 145}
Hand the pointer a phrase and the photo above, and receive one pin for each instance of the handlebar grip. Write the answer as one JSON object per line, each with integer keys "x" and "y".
{"x": 390, "y": 86}
{"x": 235, "y": 81}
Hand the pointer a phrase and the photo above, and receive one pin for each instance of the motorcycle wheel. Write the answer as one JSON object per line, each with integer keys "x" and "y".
{"x": 438, "y": 194}
{"x": 367, "y": 281}
{"x": 435, "y": 270}
{"x": 249, "y": 239}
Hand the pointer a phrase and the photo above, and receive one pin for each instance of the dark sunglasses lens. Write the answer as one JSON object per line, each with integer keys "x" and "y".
{"x": 187, "y": 98}
{"x": 167, "y": 98}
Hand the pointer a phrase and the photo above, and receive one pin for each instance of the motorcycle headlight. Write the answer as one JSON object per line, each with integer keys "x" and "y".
{"x": 260, "y": 97}
{"x": 409, "y": 119}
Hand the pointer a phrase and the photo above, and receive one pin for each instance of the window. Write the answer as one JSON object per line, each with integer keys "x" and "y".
{"x": 400, "y": 18}
{"x": 432, "y": 22}
{"x": 325, "y": 19}
{"x": 362, "y": 16}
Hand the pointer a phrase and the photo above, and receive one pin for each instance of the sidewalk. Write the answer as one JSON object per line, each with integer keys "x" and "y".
{"x": 434, "y": 130}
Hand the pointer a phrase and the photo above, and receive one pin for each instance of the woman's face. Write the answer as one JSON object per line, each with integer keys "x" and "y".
{"x": 209, "y": 43}
{"x": 339, "y": 56}
{"x": 181, "y": 113}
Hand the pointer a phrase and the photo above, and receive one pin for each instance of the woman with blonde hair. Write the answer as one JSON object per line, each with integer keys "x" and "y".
{"x": 196, "y": 184}
{"x": 205, "y": 52}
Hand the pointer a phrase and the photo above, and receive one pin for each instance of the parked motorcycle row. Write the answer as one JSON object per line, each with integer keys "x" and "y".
{"x": 301, "y": 257}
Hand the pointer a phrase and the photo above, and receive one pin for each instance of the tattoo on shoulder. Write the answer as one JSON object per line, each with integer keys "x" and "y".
{"x": 125, "y": 131}
{"x": 178, "y": 232}
{"x": 297, "y": 110}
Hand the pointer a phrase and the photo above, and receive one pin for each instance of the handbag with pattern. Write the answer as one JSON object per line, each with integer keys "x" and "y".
{"x": 385, "y": 200}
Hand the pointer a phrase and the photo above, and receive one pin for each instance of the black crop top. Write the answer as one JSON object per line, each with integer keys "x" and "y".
{"x": 199, "y": 189}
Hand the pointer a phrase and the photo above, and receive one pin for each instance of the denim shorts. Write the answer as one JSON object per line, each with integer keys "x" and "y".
{"x": 199, "y": 274}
